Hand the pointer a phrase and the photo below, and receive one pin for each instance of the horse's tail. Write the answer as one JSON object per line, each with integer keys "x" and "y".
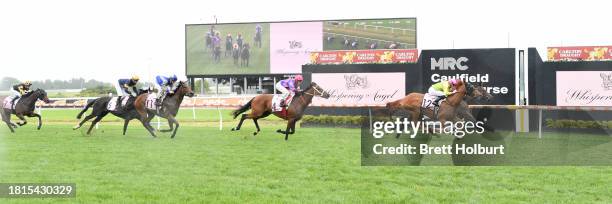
{"x": 89, "y": 104}
{"x": 242, "y": 109}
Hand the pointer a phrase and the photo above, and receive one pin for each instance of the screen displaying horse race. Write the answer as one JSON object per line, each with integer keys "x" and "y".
{"x": 282, "y": 47}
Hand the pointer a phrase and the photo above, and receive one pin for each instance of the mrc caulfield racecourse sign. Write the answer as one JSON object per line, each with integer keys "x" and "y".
{"x": 584, "y": 88}
{"x": 359, "y": 89}
{"x": 494, "y": 68}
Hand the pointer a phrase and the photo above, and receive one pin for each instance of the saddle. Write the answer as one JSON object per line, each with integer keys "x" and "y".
{"x": 276, "y": 103}
{"x": 7, "y": 103}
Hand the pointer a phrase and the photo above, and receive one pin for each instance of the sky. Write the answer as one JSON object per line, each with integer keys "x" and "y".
{"x": 109, "y": 39}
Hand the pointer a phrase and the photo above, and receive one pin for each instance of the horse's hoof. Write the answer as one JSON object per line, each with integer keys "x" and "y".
{"x": 279, "y": 131}
{"x": 254, "y": 133}
{"x": 233, "y": 129}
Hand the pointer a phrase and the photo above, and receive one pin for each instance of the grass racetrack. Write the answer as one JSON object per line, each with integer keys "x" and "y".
{"x": 317, "y": 165}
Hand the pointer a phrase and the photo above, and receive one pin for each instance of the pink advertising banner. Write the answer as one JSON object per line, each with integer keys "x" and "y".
{"x": 291, "y": 44}
{"x": 584, "y": 88}
{"x": 359, "y": 89}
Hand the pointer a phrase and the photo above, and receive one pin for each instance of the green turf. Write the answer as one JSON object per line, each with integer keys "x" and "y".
{"x": 316, "y": 165}
{"x": 356, "y": 28}
{"x": 199, "y": 60}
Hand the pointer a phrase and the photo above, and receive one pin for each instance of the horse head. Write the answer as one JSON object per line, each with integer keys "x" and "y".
{"x": 317, "y": 91}
{"x": 184, "y": 89}
{"x": 479, "y": 93}
{"x": 41, "y": 95}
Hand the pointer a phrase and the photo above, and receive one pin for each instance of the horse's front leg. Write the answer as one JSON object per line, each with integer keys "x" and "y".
{"x": 39, "y": 119}
{"x": 23, "y": 120}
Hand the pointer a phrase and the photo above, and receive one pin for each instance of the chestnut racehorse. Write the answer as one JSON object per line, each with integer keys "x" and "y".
{"x": 261, "y": 107}
{"x": 448, "y": 108}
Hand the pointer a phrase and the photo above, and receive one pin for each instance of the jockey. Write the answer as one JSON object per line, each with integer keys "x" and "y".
{"x": 239, "y": 40}
{"x": 127, "y": 84}
{"x": 20, "y": 89}
{"x": 258, "y": 28}
{"x": 443, "y": 89}
{"x": 287, "y": 85}
{"x": 167, "y": 86}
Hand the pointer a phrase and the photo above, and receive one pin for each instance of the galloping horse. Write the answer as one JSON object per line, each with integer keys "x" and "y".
{"x": 100, "y": 110}
{"x": 448, "y": 108}
{"x": 168, "y": 109}
{"x": 25, "y": 106}
{"x": 258, "y": 39}
{"x": 261, "y": 107}
{"x": 245, "y": 55}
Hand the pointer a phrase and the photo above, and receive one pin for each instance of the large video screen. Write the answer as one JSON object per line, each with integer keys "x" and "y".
{"x": 282, "y": 47}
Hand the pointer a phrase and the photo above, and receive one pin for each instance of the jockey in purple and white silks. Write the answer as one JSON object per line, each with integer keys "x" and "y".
{"x": 167, "y": 85}
{"x": 258, "y": 29}
{"x": 287, "y": 86}
{"x": 216, "y": 40}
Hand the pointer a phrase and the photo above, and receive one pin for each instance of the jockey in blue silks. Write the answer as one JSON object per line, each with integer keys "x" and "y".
{"x": 167, "y": 86}
{"x": 287, "y": 86}
{"x": 127, "y": 84}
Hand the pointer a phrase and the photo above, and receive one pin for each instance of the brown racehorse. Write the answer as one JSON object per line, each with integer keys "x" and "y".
{"x": 25, "y": 107}
{"x": 169, "y": 109}
{"x": 448, "y": 108}
{"x": 261, "y": 107}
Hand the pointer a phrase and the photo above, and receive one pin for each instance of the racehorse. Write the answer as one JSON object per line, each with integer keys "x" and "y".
{"x": 480, "y": 96}
{"x": 168, "y": 109}
{"x": 448, "y": 108}
{"x": 217, "y": 54}
{"x": 25, "y": 107}
{"x": 261, "y": 107}
{"x": 100, "y": 110}
{"x": 236, "y": 53}
{"x": 244, "y": 55}
{"x": 228, "y": 46}
{"x": 208, "y": 41}
{"x": 257, "y": 39}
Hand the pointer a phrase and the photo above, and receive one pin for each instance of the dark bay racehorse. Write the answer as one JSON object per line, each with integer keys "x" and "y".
{"x": 258, "y": 39}
{"x": 245, "y": 55}
{"x": 236, "y": 54}
{"x": 25, "y": 107}
{"x": 169, "y": 109}
{"x": 100, "y": 110}
{"x": 261, "y": 107}
{"x": 228, "y": 46}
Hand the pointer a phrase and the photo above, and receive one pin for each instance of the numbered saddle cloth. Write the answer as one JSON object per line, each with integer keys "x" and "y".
{"x": 112, "y": 104}
{"x": 150, "y": 102}
{"x": 276, "y": 102}
{"x": 7, "y": 102}
{"x": 428, "y": 101}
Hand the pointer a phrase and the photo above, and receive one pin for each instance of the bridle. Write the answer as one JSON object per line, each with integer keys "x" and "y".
{"x": 317, "y": 92}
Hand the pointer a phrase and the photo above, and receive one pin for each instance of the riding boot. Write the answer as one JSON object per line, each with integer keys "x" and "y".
{"x": 437, "y": 101}
{"x": 13, "y": 101}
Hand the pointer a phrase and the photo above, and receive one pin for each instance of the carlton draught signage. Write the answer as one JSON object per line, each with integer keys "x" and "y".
{"x": 493, "y": 67}
{"x": 359, "y": 89}
{"x": 584, "y": 88}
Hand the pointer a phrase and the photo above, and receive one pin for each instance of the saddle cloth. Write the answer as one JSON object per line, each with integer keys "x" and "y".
{"x": 276, "y": 101}
{"x": 428, "y": 101}
{"x": 150, "y": 102}
{"x": 112, "y": 104}
{"x": 7, "y": 102}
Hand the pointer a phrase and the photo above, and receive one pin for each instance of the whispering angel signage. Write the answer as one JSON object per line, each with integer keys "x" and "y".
{"x": 360, "y": 89}
{"x": 584, "y": 88}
